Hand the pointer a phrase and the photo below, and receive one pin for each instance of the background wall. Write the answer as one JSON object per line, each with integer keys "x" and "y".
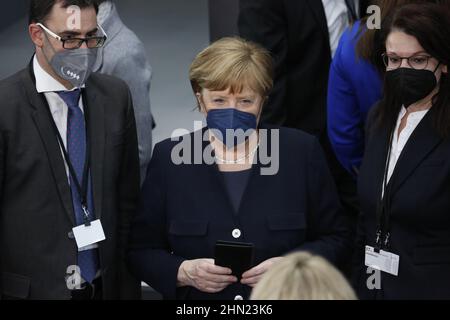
{"x": 12, "y": 11}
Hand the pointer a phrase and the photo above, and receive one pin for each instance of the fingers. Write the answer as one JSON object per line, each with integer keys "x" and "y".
{"x": 253, "y": 276}
{"x": 256, "y": 271}
{"x": 213, "y": 269}
{"x": 211, "y": 287}
{"x": 251, "y": 282}
{"x": 217, "y": 278}
{"x": 210, "y": 278}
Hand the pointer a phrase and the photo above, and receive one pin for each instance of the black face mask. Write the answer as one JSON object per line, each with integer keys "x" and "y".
{"x": 410, "y": 85}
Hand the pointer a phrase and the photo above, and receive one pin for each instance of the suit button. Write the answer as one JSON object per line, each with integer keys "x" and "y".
{"x": 238, "y": 298}
{"x": 237, "y": 233}
{"x": 71, "y": 235}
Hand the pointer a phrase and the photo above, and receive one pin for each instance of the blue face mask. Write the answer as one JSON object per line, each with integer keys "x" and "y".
{"x": 233, "y": 120}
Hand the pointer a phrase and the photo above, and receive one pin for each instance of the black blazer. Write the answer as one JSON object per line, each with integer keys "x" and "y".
{"x": 296, "y": 33}
{"x": 185, "y": 209}
{"x": 420, "y": 211}
{"x": 36, "y": 212}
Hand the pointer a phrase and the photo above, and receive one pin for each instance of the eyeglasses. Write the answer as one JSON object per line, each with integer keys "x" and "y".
{"x": 418, "y": 62}
{"x": 76, "y": 43}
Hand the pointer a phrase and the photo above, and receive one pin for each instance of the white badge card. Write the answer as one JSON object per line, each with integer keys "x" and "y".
{"x": 385, "y": 261}
{"x": 87, "y": 237}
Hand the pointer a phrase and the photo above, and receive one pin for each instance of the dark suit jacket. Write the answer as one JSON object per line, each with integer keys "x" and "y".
{"x": 296, "y": 33}
{"x": 36, "y": 212}
{"x": 185, "y": 209}
{"x": 420, "y": 214}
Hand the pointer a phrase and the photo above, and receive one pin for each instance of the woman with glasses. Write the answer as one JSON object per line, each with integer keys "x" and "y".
{"x": 355, "y": 86}
{"x": 404, "y": 185}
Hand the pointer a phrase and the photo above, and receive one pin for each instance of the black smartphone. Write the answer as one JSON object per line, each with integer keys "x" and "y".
{"x": 237, "y": 256}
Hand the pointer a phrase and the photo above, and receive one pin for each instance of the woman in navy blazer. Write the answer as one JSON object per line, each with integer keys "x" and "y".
{"x": 186, "y": 207}
{"x": 404, "y": 184}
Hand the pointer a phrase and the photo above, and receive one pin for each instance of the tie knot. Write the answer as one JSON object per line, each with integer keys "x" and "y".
{"x": 71, "y": 98}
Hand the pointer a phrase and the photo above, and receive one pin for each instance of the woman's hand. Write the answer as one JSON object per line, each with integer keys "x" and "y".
{"x": 203, "y": 275}
{"x": 253, "y": 276}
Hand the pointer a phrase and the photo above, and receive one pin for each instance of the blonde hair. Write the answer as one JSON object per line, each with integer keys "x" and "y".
{"x": 302, "y": 276}
{"x": 232, "y": 63}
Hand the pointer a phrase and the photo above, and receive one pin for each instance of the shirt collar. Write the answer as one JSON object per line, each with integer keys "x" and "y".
{"x": 44, "y": 81}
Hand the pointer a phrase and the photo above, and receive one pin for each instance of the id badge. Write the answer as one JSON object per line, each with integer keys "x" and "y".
{"x": 384, "y": 261}
{"x": 88, "y": 238}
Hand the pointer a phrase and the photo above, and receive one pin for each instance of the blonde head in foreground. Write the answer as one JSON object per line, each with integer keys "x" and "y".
{"x": 302, "y": 276}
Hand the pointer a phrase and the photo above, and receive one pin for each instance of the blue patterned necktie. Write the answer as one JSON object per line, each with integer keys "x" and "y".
{"x": 88, "y": 261}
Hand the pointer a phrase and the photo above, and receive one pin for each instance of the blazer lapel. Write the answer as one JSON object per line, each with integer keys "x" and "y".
{"x": 97, "y": 139}
{"x": 43, "y": 123}
{"x": 422, "y": 142}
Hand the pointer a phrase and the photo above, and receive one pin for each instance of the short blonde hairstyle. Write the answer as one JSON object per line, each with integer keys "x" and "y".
{"x": 232, "y": 63}
{"x": 302, "y": 276}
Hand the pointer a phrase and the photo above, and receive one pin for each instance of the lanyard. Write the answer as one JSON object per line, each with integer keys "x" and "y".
{"x": 82, "y": 188}
{"x": 383, "y": 234}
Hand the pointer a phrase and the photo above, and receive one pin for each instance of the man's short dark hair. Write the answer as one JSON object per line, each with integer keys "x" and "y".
{"x": 40, "y": 9}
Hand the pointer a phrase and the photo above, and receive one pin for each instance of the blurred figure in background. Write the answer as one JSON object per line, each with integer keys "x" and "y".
{"x": 302, "y": 276}
{"x": 124, "y": 56}
{"x": 301, "y": 36}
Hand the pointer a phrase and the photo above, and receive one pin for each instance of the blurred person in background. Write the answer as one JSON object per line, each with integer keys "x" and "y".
{"x": 124, "y": 56}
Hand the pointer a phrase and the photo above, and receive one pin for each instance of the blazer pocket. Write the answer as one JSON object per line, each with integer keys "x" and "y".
{"x": 188, "y": 228}
{"x": 15, "y": 286}
{"x": 291, "y": 221}
{"x": 432, "y": 255}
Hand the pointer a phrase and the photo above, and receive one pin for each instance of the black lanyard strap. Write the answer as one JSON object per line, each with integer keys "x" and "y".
{"x": 82, "y": 188}
{"x": 383, "y": 209}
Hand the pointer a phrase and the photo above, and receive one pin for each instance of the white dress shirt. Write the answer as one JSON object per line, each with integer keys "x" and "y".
{"x": 399, "y": 141}
{"x": 336, "y": 12}
{"x": 48, "y": 85}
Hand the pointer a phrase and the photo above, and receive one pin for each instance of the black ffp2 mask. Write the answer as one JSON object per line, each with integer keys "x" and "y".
{"x": 410, "y": 85}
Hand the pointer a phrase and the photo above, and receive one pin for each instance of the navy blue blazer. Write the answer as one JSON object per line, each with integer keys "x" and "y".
{"x": 420, "y": 214}
{"x": 185, "y": 209}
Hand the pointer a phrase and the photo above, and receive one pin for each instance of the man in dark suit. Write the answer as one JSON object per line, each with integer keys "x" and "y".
{"x": 297, "y": 33}
{"x": 69, "y": 165}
